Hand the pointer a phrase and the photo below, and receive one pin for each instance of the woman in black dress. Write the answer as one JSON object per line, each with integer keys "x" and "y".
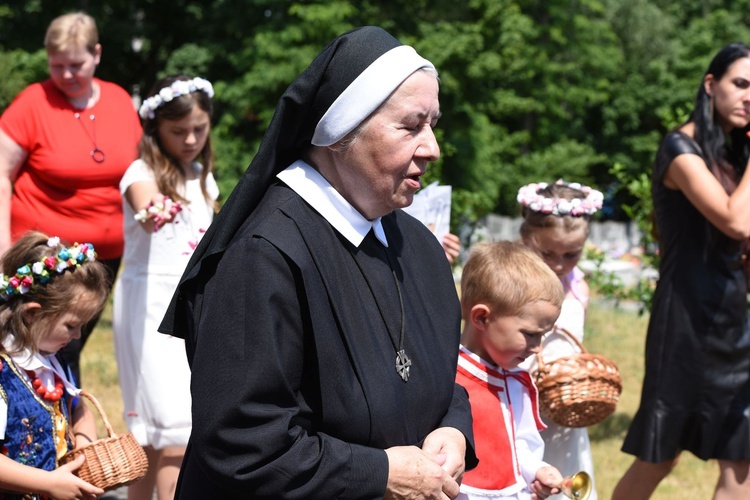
{"x": 696, "y": 391}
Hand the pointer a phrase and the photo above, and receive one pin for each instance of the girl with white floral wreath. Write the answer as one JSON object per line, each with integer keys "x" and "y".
{"x": 169, "y": 200}
{"x": 556, "y": 224}
{"x": 48, "y": 293}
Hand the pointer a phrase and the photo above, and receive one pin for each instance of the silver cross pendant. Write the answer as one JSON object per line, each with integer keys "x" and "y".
{"x": 403, "y": 364}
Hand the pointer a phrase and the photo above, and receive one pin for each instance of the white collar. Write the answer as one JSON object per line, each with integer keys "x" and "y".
{"x": 45, "y": 366}
{"x": 312, "y": 187}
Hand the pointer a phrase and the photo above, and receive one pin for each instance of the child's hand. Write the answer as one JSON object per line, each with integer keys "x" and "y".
{"x": 161, "y": 210}
{"x": 452, "y": 247}
{"x": 63, "y": 484}
{"x": 547, "y": 482}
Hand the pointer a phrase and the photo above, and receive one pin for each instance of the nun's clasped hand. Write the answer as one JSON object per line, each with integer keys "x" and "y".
{"x": 450, "y": 443}
{"x": 432, "y": 472}
{"x": 413, "y": 473}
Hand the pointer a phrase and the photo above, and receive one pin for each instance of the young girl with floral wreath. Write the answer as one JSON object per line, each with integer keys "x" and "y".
{"x": 556, "y": 220}
{"x": 48, "y": 294}
{"x": 169, "y": 199}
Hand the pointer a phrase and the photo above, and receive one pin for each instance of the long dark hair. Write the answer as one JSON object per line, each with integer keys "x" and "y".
{"x": 725, "y": 156}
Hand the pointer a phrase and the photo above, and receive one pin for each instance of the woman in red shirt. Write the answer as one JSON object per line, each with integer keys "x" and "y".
{"x": 64, "y": 145}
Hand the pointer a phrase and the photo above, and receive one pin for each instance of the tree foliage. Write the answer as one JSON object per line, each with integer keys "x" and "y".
{"x": 531, "y": 90}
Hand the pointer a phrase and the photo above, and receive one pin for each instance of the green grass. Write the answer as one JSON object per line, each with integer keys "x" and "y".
{"x": 620, "y": 335}
{"x": 99, "y": 373}
{"x": 617, "y": 334}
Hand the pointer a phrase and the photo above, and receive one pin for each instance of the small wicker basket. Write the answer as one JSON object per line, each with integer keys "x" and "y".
{"x": 578, "y": 390}
{"x": 110, "y": 462}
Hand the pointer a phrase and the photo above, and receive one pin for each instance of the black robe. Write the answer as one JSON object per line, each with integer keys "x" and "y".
{"x": 295, "y": 391}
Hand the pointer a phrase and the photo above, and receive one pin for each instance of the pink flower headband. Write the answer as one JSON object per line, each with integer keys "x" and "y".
{"x": 529, "y": 197}
{"x": 27, "y": 277}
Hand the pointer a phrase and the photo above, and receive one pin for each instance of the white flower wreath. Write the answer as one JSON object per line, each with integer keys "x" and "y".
{"x": 167, "y": 94}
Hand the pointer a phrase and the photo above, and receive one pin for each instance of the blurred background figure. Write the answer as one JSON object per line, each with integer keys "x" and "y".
{"x": 169, "y": 201}
{"x": 64, "y": 145}
{"x": 556, "y": 224}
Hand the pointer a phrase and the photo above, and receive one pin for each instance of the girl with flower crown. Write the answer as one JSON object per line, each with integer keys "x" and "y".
{"x": 47, "y": 295}
{"x": 169, "y": 201}
{"x": 556, "y": 223}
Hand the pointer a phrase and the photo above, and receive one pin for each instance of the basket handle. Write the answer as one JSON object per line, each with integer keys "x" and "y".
{"x": 567, "y": 334}
{"x": 90, "y": 397}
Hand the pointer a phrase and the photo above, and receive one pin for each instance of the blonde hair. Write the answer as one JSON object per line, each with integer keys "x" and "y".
{"x": 83, "y": 289}
{"x": 535, "y": 220}
{"x": 507, "y": 276}
{"x": 70, "y": 31}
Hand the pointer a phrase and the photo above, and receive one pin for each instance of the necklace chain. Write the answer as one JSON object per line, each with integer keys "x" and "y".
{"x": 96, "y": 154}
{"x": 403, "y": 361}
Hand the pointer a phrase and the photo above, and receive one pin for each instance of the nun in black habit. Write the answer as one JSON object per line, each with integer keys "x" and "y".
{"x": 321, "y": 321}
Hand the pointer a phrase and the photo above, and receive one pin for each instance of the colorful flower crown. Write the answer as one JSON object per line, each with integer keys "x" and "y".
{"x": 176, "y": 89}
{"x": 27, "y": 277}
{"x": 528, "y": 196}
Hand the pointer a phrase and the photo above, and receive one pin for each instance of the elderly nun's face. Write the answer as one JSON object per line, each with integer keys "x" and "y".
{"x": 381, "y": 169}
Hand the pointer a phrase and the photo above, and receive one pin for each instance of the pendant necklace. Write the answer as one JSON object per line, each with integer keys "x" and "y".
{"x": 403, "y": 361}
{"x": 96, "y": 154}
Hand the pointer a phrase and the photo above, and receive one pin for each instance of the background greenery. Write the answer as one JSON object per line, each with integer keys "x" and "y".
{"x": 531, "y": 89}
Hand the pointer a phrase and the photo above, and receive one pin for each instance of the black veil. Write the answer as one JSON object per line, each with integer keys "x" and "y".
{"x": 299, "y": 110}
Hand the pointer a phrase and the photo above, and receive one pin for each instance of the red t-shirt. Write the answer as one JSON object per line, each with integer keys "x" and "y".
{"x": 60, "y": 190}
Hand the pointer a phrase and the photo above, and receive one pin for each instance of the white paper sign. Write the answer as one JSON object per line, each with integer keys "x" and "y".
{"x": 432, "y": 206}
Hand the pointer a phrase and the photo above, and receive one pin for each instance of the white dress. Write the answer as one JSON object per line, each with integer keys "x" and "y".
{"x": 153, "y": 369}
{"x": 567, "y": 448}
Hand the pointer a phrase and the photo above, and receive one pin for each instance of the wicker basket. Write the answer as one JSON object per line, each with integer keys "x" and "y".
{"x": 110, "y": 462}
{"x": 578, "y": 390}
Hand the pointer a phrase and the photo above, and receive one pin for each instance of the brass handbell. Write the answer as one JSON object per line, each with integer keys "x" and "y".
{"x": 577, "y": 486}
